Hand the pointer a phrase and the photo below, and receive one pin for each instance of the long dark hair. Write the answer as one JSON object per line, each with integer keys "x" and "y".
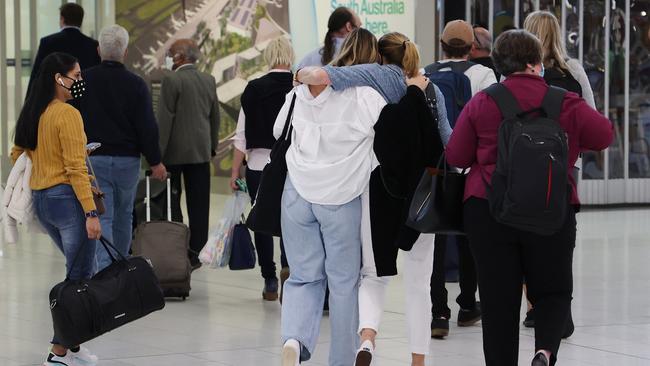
{"x": 339, "y": 18}
{"x": 40, "y": 96}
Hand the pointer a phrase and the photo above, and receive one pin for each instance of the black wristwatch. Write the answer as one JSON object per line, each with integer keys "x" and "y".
{"x": 92, "y": 213}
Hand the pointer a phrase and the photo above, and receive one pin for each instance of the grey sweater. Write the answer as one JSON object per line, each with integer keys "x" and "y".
{"x": 578, "y": 73}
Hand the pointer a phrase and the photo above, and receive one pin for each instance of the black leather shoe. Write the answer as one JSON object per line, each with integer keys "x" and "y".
{"x": 270, "y": 292}
{"x": 469, "y": 317}
{"x": 540, "y": 360}
{"x": 439, "y": 328}
{"x": 529, "y": 322}
{"x": 284, "y": 276}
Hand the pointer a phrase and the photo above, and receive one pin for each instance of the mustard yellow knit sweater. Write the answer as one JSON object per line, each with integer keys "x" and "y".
{"x": 59, "y": 157}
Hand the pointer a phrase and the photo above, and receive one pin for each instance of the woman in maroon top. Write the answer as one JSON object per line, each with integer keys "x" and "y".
{"x": 505, "y": 255}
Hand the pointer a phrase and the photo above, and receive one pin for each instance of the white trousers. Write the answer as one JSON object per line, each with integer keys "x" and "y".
{"x": 417, "y": 267}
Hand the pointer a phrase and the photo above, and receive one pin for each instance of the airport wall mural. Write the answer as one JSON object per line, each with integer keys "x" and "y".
{"x": 232, "y": 34}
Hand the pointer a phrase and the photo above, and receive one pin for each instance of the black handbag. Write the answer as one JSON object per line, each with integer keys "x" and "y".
{"x": 242, "y": 253}
{"x": 124, "y": 291}
{"x": 437, "y": 204}
{"x": 265, "y": 215}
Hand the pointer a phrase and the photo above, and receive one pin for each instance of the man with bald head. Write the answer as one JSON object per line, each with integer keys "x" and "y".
{"x": 188, "y": 118}
{"x": 482, "y": 49}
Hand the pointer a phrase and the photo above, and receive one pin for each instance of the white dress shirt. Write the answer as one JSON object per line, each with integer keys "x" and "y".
{"x": 331, "y": 157}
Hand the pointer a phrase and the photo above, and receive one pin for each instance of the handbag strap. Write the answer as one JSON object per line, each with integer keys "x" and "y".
{"x": 92, "y": 173}
{"x": 444, "y": 167}
{"x": 288, "y": 125}
{"x": 106, "y": 244}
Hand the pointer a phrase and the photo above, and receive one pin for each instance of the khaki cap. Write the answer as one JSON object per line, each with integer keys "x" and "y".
{"x": 458, "y": 33}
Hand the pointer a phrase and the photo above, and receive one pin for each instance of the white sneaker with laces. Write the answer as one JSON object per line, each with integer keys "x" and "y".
{"x": 84, "y": 357}
{"x": 54, "y": 360}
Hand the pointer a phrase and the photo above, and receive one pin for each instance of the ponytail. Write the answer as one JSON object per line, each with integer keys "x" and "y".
{"x": 338, "y": 20}
{"x": 397, "y": 49}
{"x": 328, "y": 49}
{"x": 411, "y": 60}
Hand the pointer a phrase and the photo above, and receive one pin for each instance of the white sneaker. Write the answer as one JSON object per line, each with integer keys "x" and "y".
{"x": 291, "y": 353}
{"x": 84, "y": 357}
{"x": 54, "y": 360}
{"x": 364, "y": 354}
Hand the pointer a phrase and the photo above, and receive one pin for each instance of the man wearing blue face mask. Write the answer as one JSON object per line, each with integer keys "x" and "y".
{"x": 117, "y": 112}
{"x": 188, "y": 118}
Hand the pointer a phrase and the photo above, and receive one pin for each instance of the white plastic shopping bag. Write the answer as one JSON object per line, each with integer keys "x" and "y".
{"x": 216, "y": 252}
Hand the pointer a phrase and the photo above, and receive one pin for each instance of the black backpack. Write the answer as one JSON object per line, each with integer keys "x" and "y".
{"x": 561, "y": 78}
{"x": 530, "y": 188}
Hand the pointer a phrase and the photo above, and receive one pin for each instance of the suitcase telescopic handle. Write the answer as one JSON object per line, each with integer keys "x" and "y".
{"x": 147, "y": 199}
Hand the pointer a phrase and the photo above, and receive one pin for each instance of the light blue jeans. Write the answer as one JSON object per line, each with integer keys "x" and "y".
{"x": 118, "y": 179}
{"x": 323, "y": 246}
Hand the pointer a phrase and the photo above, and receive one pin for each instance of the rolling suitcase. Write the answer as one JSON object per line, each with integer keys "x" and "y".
{"x": 166, "y": 244}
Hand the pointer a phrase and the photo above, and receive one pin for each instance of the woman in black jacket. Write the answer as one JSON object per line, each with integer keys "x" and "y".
{"x": 261, "y": 102}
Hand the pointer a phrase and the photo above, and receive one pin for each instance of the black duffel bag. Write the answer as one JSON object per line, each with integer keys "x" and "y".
{"x": 124, "y": 291}
{"x": 265, "y": 215}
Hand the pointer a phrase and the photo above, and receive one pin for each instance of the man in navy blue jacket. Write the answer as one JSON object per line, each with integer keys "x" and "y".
{"x": 69, "y": 40}
{"x": 117, "y": 112}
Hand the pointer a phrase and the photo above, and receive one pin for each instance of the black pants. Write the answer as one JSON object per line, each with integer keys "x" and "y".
{"x": 197, "y": 197}
{"x": 504, "y": 256}
{"x": 263, "y": 242}
{"x": 466, "y": 273}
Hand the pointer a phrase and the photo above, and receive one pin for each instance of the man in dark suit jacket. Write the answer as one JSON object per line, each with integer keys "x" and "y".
{"x": 69, "y": 40}
{"x": 188, "y": 119}
{"x": 117, "y": 112}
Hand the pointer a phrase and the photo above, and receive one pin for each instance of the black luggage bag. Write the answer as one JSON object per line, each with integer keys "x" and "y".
{"x": 166, "y": 245}
{"x": 124, "y": 291}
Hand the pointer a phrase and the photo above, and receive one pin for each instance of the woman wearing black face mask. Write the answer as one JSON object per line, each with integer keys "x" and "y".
{"x": 51, "y": 133}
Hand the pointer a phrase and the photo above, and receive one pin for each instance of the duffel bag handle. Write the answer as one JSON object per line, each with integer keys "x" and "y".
{"x": 106, "y": 244}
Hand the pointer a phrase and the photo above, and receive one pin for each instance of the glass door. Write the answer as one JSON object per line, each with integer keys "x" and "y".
{"x": 612, "y": 40}
{"x": 22, "y": 24}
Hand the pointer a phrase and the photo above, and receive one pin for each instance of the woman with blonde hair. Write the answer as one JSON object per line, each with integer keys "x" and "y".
{"x": 560, "y": 70}
{"x": 381, "y": 236}
{"x": 329, "y": 164}
{"x": 261, "y": 102}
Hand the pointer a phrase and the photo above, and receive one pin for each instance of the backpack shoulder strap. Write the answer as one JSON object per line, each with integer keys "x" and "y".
{"x": 460, "y": 67}
{"x": 431, "y": 68}
{"x": 504, "y": 99}
{"x": 455, "y": 66}
{"x": 552, "y": 102}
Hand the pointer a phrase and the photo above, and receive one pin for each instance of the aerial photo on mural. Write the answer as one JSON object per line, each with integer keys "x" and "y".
{"x": 232, "y": 34}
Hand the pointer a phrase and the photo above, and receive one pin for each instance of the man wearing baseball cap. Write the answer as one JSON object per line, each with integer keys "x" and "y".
{"x": 456, "y": 41}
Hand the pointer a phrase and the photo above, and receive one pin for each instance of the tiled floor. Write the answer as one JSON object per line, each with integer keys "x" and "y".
{"x": 225, "y": 322}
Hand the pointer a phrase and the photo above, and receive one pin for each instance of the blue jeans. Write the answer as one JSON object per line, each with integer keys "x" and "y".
{"x": 323, "y": 244}
{"x": 118, "y": 179}
{"x": 61, "y": 214}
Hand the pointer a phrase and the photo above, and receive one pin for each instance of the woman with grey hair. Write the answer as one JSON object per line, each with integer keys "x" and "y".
{"x": 261, "y": 101}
